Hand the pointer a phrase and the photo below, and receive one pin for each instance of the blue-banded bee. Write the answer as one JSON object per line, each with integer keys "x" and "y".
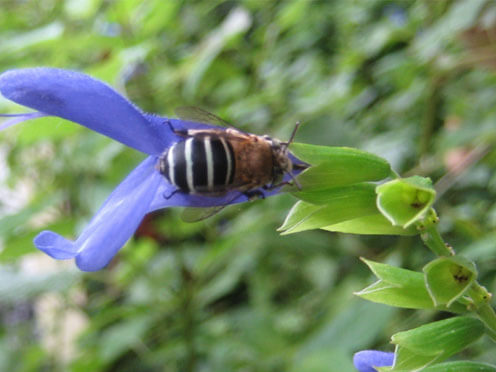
{"x": 212, "y": 162}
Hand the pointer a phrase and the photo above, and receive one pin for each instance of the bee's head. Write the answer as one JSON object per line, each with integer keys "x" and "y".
{"x": 280, "y": 153}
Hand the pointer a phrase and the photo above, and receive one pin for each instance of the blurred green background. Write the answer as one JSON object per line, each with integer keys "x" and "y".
{"x": 412, "y": 81}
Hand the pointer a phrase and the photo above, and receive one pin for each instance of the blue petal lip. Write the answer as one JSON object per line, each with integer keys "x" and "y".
{"x": 77, "y": 97}
{"x": 366, "y": 360}
{"x": 112, "y": 225}
{"x": 55, "y": 245}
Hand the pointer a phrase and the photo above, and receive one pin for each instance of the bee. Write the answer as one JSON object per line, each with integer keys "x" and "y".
{"x": 212, "y": 162}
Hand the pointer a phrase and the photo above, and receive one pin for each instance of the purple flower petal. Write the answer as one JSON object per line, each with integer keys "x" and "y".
{"x": 91, "y": 103}
{"x": 77, "y": 97}
{"x": 112, "y": 225}
{"x": 55, "y": 245}
{"x": 366, "y": 360}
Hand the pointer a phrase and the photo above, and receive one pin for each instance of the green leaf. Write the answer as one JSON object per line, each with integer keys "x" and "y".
{"x": 122, "y": 336}
{"x": 448, "y": 278}
{"x": 21, "y": 244}
{"x": 353, "y": 327}
{"x": 340, "y": 204}
{"x": 397, "y": 287}
{"x": 405, "y": 201}
{"x": 458, "y": 366}
{"x": 338, "y": 166}
{"x": 236, "y": 23}
{"x": 434, "y": 342}
{"x": 16, "y": 286}
{"x": 375, "y": 224}
{"x": 9, "y": 223}
{"x": 321, "y": 359}
{"x": 461, "y": 366}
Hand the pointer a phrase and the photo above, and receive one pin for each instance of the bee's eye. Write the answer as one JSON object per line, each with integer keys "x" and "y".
{"x": 276, "y": 144}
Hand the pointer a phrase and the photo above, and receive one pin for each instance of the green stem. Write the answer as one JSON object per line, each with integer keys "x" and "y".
{"x": 432, "y": 239}
{"x": 481, "y": 298}
{"x": 394, "y": 175}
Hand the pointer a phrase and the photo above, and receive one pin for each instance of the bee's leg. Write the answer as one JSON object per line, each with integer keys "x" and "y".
{"x": 179, "y": 132}
{"x": 167, "y": 197}
{"x": 277, "y": 185}
{"x": 254, "y": 194}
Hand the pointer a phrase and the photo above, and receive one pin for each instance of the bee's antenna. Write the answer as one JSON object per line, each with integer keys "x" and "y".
{"x": 297, "y": 125}
{"x": 295, "y": 181}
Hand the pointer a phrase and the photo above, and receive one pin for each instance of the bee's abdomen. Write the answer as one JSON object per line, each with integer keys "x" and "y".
{"x": 199, "y": 165}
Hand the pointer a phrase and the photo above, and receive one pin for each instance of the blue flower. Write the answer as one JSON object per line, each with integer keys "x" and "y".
{"x": 366, "y": 360}
{"x": 89, "y": 102}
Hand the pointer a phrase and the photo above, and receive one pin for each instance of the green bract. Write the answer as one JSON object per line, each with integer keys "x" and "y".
{"x": 406, "y": 200}
{"x": 448, "y": 278}
{"x": 335, "y": 194}
{"x": 338, "y": 194}
{"x": 401, "y": 288}
{"x": 460, "y": 366}
{"x": 338, "y": 166}
{"x": 434, "y": 342}
{"x": 328, "y": 208}
{"x": 375, "y": 224}
{"x": 397, "y": 287}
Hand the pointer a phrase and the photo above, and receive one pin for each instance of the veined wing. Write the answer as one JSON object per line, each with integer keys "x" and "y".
{"x": 198, "y": 115}
{"x": 192, "y": 214}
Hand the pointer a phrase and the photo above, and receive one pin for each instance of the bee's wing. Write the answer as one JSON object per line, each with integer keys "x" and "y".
{"x": 191, "y": 214}
{"x": 198, "y": 115}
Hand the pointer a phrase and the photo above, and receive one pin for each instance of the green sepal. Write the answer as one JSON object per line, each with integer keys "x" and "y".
{"x": 434, "y": 342}
{"x": 396, "y": 287}
{"x": 461, "y": 366}
{"x": 449, "y": 278}
{"x": 406, "y": 200}
{"x": 375, "y": 224}
{"x": 334, "y": 205}
{"x": 338, "y": 166}
{"x": 300, "y": 212}
{"x": 458, "y": 366}
{"x": 364, "y": 191}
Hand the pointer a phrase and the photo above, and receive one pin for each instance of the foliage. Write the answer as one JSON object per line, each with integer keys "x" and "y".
{"x": 408, "y": 83}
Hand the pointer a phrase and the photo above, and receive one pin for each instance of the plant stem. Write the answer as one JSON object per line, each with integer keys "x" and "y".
{"x": 481, "y": 298}
{"x": 432, "y": 239}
